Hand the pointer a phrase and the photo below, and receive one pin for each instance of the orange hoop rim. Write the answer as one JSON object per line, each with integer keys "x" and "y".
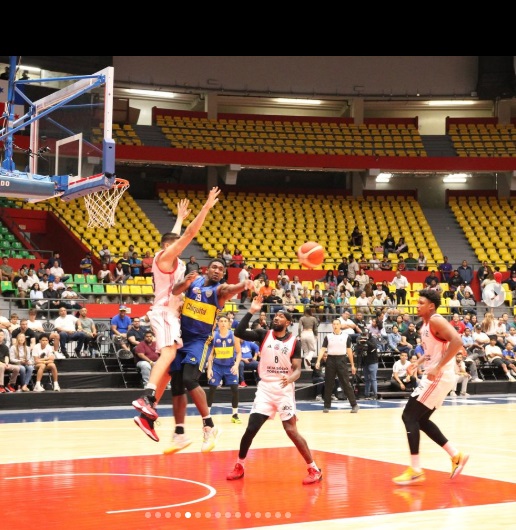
{"x": 120, "y": 183}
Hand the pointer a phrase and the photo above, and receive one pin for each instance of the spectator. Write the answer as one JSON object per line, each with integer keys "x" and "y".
{"x": 7, "y": 366}
{"x": 363, "y": 304}
{"x": 411, "y": 334}
{"x": 421, "y": 262}
{"x": 454, "y": 304}
{"x": 356, "y": 239}
{"x": 135, "y": 334}
{"x": 468, "y": 304}
{"x": 386, "y": 264}
{"x": 23, "y": 286}
{"x": 374, "y": 263}
{"x": 401, "y": 246}
{"x": 343, "y": 267}
{"x": 411, "y": 262}
{"x": 192, "y": 266}
{"x": 367, "y": 349}
{"x": 36, "y": 326}
{"x": 458, "y": 324}
{"x": 23, "y": 329}
{"x": 237, "y": 259}
{"x": 70, "y": 299}
{"x": 353, "y": 268}
{"x": 125, "y": 264}
{"x": 429, "y": 278}
{"x": 147, "y": 264}
{"x": 44, "y": 361}
{"x": 85, "y": 265}
{"x": 136, "y": 265}
{"x": 145, "y": 355}
{"x": 87, "y": 325}
{"x": 243, "y": 275}
{"x": 120, "y": 325}
{"x": 401, "y": 380}
{"x": 401, "y": 283}
{"x": 307, "y": 331}
{"x": 495, "y": 357}
{"x": 393, "y": 339}
{"x": 273, "y": 302}
{"x": 118, "y": 274}
{"x": 454, "y": 281}
{"x": 104, "y": 275}
{"x": 36, "y": 297}
{"x": 6, "y": 271}
{"x": 57, "y": 270}
{"x": 66, "y": 326}
{"x": 465, "y": 272}
{"x": 52, "y": 297}
{"x": 248, "y": 362}
{"x": 105, "y": 254}
{"x": 389, "y": 245}
{"x": 445, "y": 269}
{"x": 20, "y": 355}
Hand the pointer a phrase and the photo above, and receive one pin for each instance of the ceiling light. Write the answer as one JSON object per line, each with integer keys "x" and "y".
{"x": 384, "y": 177}
{"x": 151, "y": 93}
{"x": 450, "y": 103}
{"x": 30, "y": 69}
{"x": 298, "y": 101}
{"x": 456, "y": 177}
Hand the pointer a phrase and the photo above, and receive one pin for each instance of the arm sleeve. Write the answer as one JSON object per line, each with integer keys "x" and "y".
{"x": 243, "y": 333}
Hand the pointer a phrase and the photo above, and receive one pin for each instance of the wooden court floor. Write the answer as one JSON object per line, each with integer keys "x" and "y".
{"x": 83, "y": 469}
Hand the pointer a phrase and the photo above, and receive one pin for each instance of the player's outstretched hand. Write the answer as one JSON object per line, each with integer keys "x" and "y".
{"x": 256, "y": 304}
{"x": 213, "y": 197}
{"x": 182, "y": 208}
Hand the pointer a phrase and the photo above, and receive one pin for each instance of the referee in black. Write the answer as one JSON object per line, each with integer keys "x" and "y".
{"x": 337, "y": 345}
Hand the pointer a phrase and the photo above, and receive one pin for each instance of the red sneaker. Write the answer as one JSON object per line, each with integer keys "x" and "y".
{"x": 2, "y": 390}
{"x": 147, "y": 426}
{"x": 11, "y": 388}
{"x": 243, "y": 384}
{"x": 313, "y": 476}
{"x": 146, "y": 405}
{"x": 236, "y": 473}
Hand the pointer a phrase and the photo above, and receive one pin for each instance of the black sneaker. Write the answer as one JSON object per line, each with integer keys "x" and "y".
{"x": 146, "y": 405}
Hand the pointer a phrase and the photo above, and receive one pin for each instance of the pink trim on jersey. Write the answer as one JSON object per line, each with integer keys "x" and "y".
{"x": 431, "y": 389}
{"x": 156, "y": 258}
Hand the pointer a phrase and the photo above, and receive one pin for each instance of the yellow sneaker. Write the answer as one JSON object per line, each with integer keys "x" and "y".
{"x": 409, "y": 476}
{"x": 179, "y": 442}
{"x": 235, "y": 419}
{"x": 457, "y": 464}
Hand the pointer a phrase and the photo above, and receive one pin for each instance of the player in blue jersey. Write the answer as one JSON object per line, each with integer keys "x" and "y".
{"x": 224, "y": 363}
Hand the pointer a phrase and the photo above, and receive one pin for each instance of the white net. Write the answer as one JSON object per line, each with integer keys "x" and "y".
{"x": 101, "y": 205}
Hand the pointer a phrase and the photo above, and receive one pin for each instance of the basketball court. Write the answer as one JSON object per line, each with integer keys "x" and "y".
{"x": 95, "y": 468}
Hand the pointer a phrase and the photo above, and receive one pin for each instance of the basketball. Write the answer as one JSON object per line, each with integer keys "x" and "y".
{"x": 310, "y": 254}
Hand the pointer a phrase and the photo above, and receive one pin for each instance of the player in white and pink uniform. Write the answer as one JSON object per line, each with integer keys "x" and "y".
{"x": 164, "y": 315}
{"x": 440, "y": 342}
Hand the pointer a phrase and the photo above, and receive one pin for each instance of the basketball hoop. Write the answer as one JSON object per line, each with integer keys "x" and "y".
{"x": 101, "y": 205}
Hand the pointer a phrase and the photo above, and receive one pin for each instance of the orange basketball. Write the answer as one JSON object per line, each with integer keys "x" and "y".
{"x": 310, "y": 254}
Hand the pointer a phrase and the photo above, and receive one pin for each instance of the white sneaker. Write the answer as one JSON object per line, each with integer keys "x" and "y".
{"x": 57, "y": 388}
{"x": 477, "y": 380}
{"x": 209, "y": 440}
{"x": 464, "y": 394}
{"x": 318, "y": 398}
{"x": 334, "y": 398}
{"x": 510, "y": 377}
{"x": 453, "y": 393}
{"x": 38, "y": 388}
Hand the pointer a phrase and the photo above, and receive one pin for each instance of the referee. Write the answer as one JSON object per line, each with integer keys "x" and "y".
{"x": 337, "y": 345}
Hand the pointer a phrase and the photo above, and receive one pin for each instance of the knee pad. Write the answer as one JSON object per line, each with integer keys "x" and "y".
{"x": 191, "y": 376}
{"x": 177, "y": 386}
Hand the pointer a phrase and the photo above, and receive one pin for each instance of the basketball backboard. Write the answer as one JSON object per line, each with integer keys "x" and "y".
{"x": 70, "y": 149}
